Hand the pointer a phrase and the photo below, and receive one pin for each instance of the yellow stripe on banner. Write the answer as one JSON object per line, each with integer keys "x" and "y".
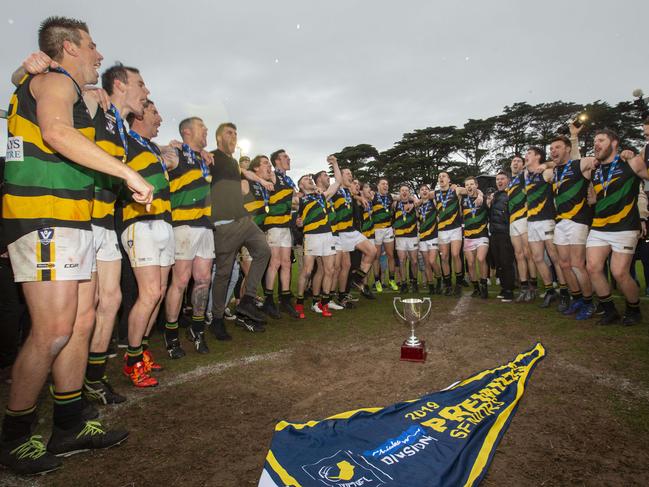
{"x": 468, "y": 233}
{"x": 346, "y": 415}
{"x": 187, "y": 178}
{"x": 518, "y": 215}
{"x": 618, "y": 217}
{"x": 190, "y": 214}
{"x": 48, "y": 206}
{"x": 286, "y": 477}
{"x": 569, "y": 214}
{"x": 492, "y": 436}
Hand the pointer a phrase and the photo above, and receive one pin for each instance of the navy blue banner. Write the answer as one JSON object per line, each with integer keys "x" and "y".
{"x": 445, "y": 438}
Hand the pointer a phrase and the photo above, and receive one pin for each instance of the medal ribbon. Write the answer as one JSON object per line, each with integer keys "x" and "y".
{"x": 145, "y": 143}
{"x": 120, "y": 130}
{"x": 599, "y": 174}
{"x": 194, "y": 156}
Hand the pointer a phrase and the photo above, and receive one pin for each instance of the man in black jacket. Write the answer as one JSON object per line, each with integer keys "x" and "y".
{"x": 500, "y": 243}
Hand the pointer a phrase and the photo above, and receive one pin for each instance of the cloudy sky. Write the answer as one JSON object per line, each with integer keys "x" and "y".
{"x": 313, "y": 77}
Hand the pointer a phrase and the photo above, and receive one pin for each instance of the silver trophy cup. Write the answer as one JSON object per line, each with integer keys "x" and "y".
{"x": 412, "y": 314}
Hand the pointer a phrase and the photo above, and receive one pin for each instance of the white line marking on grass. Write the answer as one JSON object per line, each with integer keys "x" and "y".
{"x": 199, "y": 372}
{"x": 460, "y": 307}
{"x": 605, "y": 379}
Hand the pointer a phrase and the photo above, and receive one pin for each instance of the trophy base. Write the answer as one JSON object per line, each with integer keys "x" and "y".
{"x": 413, "y": 354}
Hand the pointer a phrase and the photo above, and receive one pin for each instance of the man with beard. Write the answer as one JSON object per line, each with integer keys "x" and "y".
{"x": 616, "y": 226}
{"x": 48, "y": 222}
{"x": 570, "y": 184}
{"x": 234, "y": 228}
{"x": 428, "y": 239}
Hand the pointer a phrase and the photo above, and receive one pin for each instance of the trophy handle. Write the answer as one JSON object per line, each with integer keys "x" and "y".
{"x": 394, "y": 305}
{"x": 430, "y": 306}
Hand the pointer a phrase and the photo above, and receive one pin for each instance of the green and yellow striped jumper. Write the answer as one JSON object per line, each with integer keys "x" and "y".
{"x": 42, "y": 188}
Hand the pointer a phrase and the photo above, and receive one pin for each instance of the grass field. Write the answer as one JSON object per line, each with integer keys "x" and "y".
{"x": 584, "y": 419}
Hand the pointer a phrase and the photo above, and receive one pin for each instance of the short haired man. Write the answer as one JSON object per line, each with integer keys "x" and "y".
{"x": 570, "y": 185}
{"x": 383, "y": 232}
{"x": 616, "y": 226}
{"x": 278, "y": 235}
{"x": 350, "y": 238}
{"x": 148, "y": 240}
{"x": 189, "y": 182}
{"x": 476, "y": 237}
{"x": 233, "y": 229}
{"x": 541, "y": 213}
{"x": 517, "y": 208}
{"x": 449, "y": 215}
{"x": 48, "y": 222}
{"x": 499, "y": 240}
{"x": 428, "y": 238}
{"x": 404, "y": 224}
{"x": 313, "y": 218}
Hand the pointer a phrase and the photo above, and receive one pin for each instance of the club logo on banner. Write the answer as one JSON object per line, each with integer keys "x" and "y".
{"x": 445, "y": 438}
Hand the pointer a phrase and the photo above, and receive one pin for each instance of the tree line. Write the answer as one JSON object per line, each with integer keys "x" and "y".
{"x": 487, "y": 145}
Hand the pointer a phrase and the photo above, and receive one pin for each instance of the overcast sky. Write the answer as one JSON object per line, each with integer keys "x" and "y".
{"x": 312, "y": 77}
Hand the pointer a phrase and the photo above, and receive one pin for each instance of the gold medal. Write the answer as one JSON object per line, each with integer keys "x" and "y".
{"x": 266, "y": 209}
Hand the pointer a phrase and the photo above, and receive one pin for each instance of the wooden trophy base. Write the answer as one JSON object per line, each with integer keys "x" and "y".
{"x": 413, "y": 354}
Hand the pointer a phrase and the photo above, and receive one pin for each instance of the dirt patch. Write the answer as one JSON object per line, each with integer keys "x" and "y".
{"x": 212, "y": 426}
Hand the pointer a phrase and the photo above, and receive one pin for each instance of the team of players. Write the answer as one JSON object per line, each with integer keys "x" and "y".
{"x": 78, "y": 182}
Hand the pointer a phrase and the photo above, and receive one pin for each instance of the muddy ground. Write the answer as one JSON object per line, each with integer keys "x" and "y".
{"x": 582, "y": 420}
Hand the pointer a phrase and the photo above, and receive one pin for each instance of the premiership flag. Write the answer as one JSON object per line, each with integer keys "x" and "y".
{"x": 445, "y": 438}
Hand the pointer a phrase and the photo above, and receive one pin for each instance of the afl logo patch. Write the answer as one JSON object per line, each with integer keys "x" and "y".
{"x": 45, "y": 235}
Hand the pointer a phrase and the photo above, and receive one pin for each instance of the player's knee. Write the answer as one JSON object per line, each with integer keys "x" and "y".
{"x": 181, "y": 280}
{"x": 110, "y": 300}
{"x": 58, "y": 343}
{"x": 619, "y": 273}
{"x": 593, "y": 267}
